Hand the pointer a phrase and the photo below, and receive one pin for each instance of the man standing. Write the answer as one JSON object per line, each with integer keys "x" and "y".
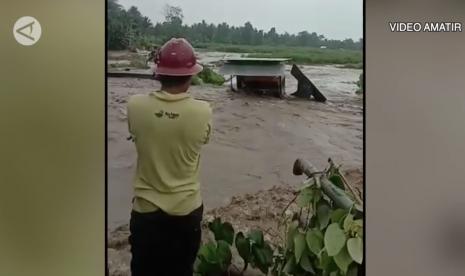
{"x": 151, "y": 55}
{"x": 168, "y": 128}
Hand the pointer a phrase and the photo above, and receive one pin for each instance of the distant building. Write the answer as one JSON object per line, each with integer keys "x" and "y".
{"x": 323, "y": 47}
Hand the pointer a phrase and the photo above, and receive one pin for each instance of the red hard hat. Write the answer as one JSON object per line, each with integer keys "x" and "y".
{"x": 177, "y": 58}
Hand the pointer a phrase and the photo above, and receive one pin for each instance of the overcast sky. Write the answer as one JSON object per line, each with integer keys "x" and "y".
{"x": 335, "y": 19}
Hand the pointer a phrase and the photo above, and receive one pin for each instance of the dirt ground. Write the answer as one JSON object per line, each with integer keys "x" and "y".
{"x": 254, "y": 143}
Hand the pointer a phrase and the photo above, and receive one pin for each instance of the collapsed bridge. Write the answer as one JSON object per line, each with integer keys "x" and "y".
{"x": 267, "y": 76}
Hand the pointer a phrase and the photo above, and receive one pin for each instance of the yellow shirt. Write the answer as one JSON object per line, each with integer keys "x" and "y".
{"x": 168, "y": 131}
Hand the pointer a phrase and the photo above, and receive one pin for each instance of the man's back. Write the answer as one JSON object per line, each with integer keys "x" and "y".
{"x": 168, "y": 130}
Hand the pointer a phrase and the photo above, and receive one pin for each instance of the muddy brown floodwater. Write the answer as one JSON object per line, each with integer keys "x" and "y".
{"x": 255, "y": 140}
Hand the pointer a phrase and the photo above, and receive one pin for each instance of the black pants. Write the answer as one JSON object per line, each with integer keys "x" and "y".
{"x": 164, "y": 245}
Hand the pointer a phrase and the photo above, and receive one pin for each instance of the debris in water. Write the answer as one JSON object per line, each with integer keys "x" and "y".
{"x": 305, "y": 88}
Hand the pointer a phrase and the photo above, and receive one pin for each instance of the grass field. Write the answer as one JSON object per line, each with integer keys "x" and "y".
{"x": 302, "y": 55}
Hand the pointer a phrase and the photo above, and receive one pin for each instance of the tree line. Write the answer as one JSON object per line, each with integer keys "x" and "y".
{"x": 128, "y": 29}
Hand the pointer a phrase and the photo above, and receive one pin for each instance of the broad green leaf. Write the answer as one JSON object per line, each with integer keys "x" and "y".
{"x": 358, "y": 225}
{"x": 256, "y": 236}
{"x": 337, "y": 180}
{"x": 200, "y": 266}
{"x": 208, "y": 253}
{"x": 337, "y": 215}
{"x": 205, "y": 268}
{"x": 224, "y": 254}
{"x": 243, "y": 247}
{"x": 324, "y": 261}
{"x": 262, "y": 258}
{"x": 290, "y": 266}
{"x": 348, "y": 222}
{"x": 333, "y": 266}
{"x": 215, "y": 225}
{"x": 228, "y": 232}
{"x": 305, "y": 197}
{"x": 359, "y": 222}
{"x": 222, "y": 231}
{"x": 306, "y": 264}
{"x": 323, "y": 210}
{"x": 314, "y": 240}
{"x": 268, "y": 251}
{"x": 299, "y": 245}
{"x": 334, "y": 239}
{"x": 291, "y": 230}
{"x": 314, "y": 222}
{"x": 343, "y": 260}
{"x": 355, "y": 249}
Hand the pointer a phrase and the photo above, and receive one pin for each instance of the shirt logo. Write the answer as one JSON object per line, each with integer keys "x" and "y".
{"x": 169, "y": 115}
{"x": 159, "y": 114}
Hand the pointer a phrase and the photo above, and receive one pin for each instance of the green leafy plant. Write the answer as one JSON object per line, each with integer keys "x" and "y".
{"x": 324, "y": 238}
{"x": 223, "y": 231}
{"x": 196, "y": 80}
{"x": 209, "y": 76}
{"x": 214, "y": 258}
{"x": 254, "y": 250}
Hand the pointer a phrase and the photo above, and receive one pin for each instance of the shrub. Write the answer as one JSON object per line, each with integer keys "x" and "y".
{"x": 324, "y": 238}
{"x": 209, "y": 76}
